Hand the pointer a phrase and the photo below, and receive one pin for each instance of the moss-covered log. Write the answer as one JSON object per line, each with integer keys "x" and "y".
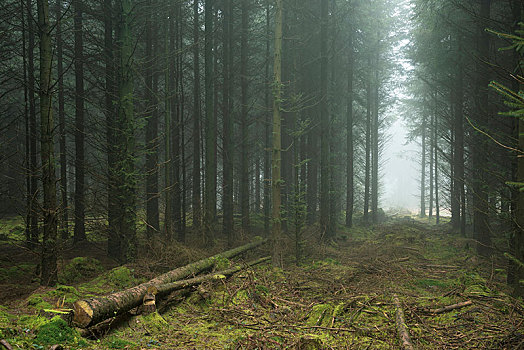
{"x": 89, "y": 312}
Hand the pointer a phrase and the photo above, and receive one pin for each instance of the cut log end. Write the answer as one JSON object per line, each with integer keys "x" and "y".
{"x": 83, "y": 314}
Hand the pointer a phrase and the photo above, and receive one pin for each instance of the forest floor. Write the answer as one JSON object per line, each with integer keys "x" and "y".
{"x": 339, "y": 297}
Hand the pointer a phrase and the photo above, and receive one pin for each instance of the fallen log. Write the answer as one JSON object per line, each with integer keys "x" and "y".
{"x": 170, "y": 287}
{"x": 450, "y": 307}
{"x": 403, "y": 334}
{"x": 5, "y": 344}
{"x": 89, "y": 312}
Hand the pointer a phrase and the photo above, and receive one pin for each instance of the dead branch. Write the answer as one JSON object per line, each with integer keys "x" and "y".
{"x": 405, "y": 339}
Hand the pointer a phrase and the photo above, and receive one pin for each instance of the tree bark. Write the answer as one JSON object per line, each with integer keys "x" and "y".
{"x": 375, "y": 141}
{"x": 481, "y": 227}
{"x": 210, "y": 127}
{"x": 367, "y": 169}
{"x": 49, "y": 241}
{"x": 32, "y": 210}
{"x": 152, "y": 214}
{"x": 196, "y": 199}
{"x": 324, "y": 124}
{"x": 228, "y": 149}
{"x": 64, "y": 222}
{"x": 113, "y": 241}
{"x": 79, "y": 231}
{"x": 244, "y": 123}
{"x": 423, "y": 170}
{"x": 349, "y": 135}
{"x": 125, "y": 214}
{"x": 267, "y": 128}
{"x": 276, "y": 152}
{"x": 403, "y": 334}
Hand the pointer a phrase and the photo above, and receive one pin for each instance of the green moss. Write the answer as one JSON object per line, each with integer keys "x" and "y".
{"x": 117, "y": 343}
{"x": 36, "y": 301}
{"x": 56, "y": 331}
{"x": 320, "y": 315}
{"x": 240, "y": 297}
{"x": 79, "y": 269}
{"x": 121, "y": 277}
{"x": 221, "y": 263}
{"x": 155, "y": 323}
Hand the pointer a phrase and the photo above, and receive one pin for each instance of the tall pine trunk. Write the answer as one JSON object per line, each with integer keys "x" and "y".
{"x": 458, "y": 192}
{"x": 349, "y": 135}
{"x": 79, "y": 231}
{"x": 64, "y": 224}
{"x": 267, "y": 128}
{"x": 196, "y": 199}
{"x": 367, "y": 169}
{"x": 113, "y": 241}
{"x": 210, "y": 127}
{"x": 324, "y": 124}
{"x": 125, "y": 187}
{"x": 32, "y": 209}
{"x": 423, "y": 169}
{"x": 481, "y": 227}
{"x": 276, "y": 149}
{"x": 49, "y": 207}
{"x": 228, "y": 149}
{"x": 152, "y": 214}
{"x": 244, "y": 120}
{"x": 375, "y": 140}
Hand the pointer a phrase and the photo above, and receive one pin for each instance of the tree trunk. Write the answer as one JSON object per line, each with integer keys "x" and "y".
{"x": 210, "y": 128}
{"x": 349, "y": 132}
{"x": 276, "y": 156}
{"x": 49, "y": 241}
{"x": 458, "y": 194}
{"x": 64, "y": 224}
{"x": 228, "y": 149}
{"x": 375, "y": 141}
{"x": 435, "y": 146}
{"x": 244, "y": 123}
{"x": 79, "y": 232}
{"x": 174, "y": 101}
{"x": 423, "y": 170}
{"x": 89, "y": 312}
{"x": 431, "y": 150}
{"x": 168, "y": 133}
{"x": 368, "y": 147}
{"x": 152, "y": 214}
{"x": 268, "y": 123}
{"x": 324, "y": 124}
{"x": 125, "y": 214}
{"x": 196, "y": 199}
{"x": 113, "y": 241}
{"x": 481, "y": 227}
{"x": 32, "y": 210}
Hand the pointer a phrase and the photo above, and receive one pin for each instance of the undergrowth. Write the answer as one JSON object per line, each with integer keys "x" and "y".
{"x": 338, "y": 297}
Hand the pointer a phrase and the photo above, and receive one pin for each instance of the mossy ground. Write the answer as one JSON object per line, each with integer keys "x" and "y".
{"x": 338, "y": 297}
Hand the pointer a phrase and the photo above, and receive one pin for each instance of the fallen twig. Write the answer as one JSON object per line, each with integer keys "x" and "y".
{"x": 403, "y": 334}
{"x": 5, "y": 344}
{"x": 450, "y": 307}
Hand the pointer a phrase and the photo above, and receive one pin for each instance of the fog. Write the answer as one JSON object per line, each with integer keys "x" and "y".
{"x": 400, "y": 170}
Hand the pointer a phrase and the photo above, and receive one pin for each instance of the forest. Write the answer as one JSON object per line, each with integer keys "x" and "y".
{"x": 240, "y": 174}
